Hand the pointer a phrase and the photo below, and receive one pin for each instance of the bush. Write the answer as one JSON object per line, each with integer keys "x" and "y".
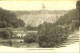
{"x": 50, "y": 36}
{"x": 10, "y": 43}
{"x": 30, "y": 38}
{"x": 6, "y": 33}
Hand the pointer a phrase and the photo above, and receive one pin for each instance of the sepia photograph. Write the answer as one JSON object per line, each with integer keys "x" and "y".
{"x": 39, "y": 26}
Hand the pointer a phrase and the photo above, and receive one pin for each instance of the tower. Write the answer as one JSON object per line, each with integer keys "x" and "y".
{"x": 43, "y": 12}
{"x": 43, "y": 6}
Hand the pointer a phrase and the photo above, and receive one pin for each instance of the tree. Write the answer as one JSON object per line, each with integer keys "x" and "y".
{"x": 29, "y": 27}
{"x": 9, "y": 19}
{"x": 50, "y": 35}
{"x": 6, "y": 33}
{"x": 30, "y": 38}
{"x": 20, "y": 23}
{"x": 68, "y": 17}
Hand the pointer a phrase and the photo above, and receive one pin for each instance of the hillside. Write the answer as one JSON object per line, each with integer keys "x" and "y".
{"x": 35, "y": 18}
{"x": 9, "y": 19}
{"x": 67, "y": 18}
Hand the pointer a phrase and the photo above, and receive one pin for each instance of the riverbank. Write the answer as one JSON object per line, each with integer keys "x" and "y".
{"x": 66, "y": 48}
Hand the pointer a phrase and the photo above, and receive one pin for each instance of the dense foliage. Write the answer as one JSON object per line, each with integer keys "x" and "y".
{"x": 9, "y": 19}
{"x": 50, "y": 35}
{"x": 6, "y": 33}
{"x": 30, "y": 38}
{"x": 29, "y": 27}
{"x": 67, "y": 18}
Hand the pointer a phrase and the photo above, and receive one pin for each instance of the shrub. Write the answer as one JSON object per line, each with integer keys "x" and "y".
{"x": 30, "y": 38}
{"x": 10, "y": 43}
{"x": 6, "y": 33}
{"x": 50, "y": 36}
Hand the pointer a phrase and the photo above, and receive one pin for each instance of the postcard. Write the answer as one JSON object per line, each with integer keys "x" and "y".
{"x": 39, "y": 26}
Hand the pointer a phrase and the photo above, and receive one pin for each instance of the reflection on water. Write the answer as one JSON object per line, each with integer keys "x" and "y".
{"x": 22, "y": 45}
{"x": 19, "y": 43}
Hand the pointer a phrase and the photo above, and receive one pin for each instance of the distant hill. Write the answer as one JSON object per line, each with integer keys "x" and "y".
{"x": 35, "y": 18}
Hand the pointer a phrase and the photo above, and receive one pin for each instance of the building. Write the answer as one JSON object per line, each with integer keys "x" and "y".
{"x": 19, "y": 32}
{"x": 22, "y": 31}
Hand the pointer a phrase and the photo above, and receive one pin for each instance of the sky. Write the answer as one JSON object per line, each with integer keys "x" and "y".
{"x": 37, "y": 4}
